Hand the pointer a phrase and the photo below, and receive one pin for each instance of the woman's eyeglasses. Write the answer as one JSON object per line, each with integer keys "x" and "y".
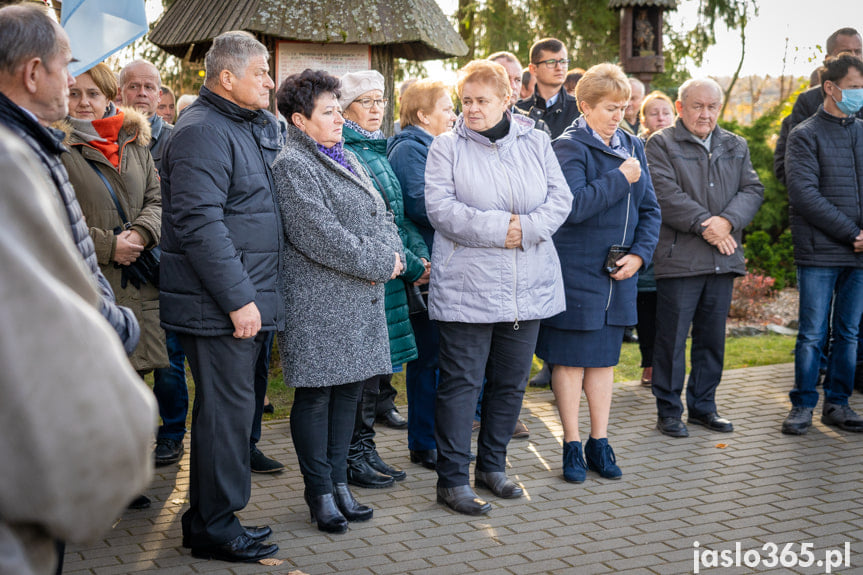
{"x": 367, "y": 103}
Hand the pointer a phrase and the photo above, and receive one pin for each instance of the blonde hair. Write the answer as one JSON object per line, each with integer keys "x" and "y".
{"x": 488, "y": 73}
{"x": 602, "y": 81}
{"x": 652, "y": 97}
{"x": 104, "y": 79}
{"x": 420, "y": 96}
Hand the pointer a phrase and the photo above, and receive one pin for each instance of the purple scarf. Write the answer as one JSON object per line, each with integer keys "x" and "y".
{"x": 337, "y": 154}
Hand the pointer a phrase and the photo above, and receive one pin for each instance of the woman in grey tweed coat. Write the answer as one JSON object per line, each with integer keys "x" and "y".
{"x": 341, "y": 247}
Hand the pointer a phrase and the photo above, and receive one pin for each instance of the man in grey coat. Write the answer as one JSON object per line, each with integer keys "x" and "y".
{"x": 708, "y": 192}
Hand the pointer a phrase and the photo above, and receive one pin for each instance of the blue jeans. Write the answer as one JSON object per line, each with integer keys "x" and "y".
{"x": 262, "y": 380}
{"x": 817, "y": 286}
{"x": 421, "y": 382}
{"x": 171, "y": 392}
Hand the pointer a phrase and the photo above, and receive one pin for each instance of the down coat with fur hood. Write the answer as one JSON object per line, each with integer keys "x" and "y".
{"x": 136, "y": 184}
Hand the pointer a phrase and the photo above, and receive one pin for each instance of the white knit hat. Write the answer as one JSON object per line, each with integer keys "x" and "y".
{"x": 355, "y": 84}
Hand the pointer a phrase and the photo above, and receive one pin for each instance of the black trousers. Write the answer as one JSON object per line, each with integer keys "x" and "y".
{"x": 646, "y": 305}
{"x": 702, "y": 302}
{"x": 220, "y": 479}
{"x": 469, "y": 352}
{"x": 322, "y": 422}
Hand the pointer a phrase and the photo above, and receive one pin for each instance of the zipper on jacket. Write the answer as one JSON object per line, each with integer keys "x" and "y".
{"x": 515, "y": 325}
{"x": 610, "y": 289}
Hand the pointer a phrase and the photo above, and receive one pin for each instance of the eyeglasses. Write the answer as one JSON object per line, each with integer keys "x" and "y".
{"x": 367, "y": 103}
{"x": 554, "y": 63}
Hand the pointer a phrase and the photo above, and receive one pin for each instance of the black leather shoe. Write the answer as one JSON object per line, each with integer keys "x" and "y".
{"x": 672, "y": 427}
{"x": 140, "y": 502}
{"x": 712, "y": 421}
{"x": 427, "y": 458}
{"x": 168, "y": 451}
{"x": 352, "y": 509}
{"x": 463, "y": 500}
{"x": 393, "y": 419}
{"x": 257, "y": 533}
{"x": 326, "y": 514}
{"x": 498, "y": 483}
{"x": 361, "y": 474}
{"x": 379, "y": 465}
{"x": 260, "y": 463}
{"x": 243, "y": 549}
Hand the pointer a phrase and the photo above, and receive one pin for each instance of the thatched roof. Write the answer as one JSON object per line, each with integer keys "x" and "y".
{"x": 416, "y": 29}
{"x": 670, "y": 4}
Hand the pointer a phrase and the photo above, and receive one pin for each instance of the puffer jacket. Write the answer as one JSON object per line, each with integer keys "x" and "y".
{"x": 221, "y": 230}
{"x": 693, "y": 184}
{"x": 339, "y": 253}
{"x": 825, "y": 190}
{"x": 557, "y": 118}
{"x": 472, "y": 188}
{"x": 372, "y": 156}
{"x": 407, "y": 153}
{"x": 136, "y": 185}
{"x": 602, "y": 196}
{"x": 47, "y": 144}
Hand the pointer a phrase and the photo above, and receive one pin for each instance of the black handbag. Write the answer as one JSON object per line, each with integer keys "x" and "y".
{"x": 416, "y": 301}
{"x": 143, "y": 270}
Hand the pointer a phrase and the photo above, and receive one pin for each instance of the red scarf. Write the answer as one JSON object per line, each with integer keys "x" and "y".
{"x": 109, "y": 130}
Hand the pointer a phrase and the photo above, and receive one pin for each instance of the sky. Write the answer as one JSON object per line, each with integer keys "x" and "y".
{"x": 803, "y": 22}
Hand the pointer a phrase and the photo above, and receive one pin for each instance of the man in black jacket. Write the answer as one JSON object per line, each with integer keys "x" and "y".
{"x": 221, "y": 245}
{"x": 842, "y": 40}
{"x": 550, "y": 102}
{"x": 825, "y": 193}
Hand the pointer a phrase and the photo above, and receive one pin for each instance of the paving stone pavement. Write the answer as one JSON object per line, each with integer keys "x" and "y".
{"x": 754, "y": 487}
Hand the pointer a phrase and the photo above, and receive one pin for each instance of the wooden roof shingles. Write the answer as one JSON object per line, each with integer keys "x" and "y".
{"x": 416, "y": 29}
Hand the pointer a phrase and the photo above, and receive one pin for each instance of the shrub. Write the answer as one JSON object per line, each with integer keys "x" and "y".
{"x": 749, "y": 295}
{"x": 775, "y": 259}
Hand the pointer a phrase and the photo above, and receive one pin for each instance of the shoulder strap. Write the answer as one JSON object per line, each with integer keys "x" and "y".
{"x": 110, "y": 191}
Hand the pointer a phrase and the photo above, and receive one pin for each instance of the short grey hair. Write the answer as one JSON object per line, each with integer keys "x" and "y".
{"x": 697, "y": 83}
{"x": 125, "y": 71}
{"x": 26, "y": 31}
{"x": 231, "y": 51}
{"x": 508, "y": 56}
{"x": 636, "y": 82}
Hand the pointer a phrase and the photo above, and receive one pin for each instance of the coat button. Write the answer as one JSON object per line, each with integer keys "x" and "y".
{"x": 374, "y": 212}
{"x": 375, "y": 300}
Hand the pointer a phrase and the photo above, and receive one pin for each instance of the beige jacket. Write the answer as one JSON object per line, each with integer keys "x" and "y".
{"x": 76, "y": 422}
{"x": 137, "y": 187}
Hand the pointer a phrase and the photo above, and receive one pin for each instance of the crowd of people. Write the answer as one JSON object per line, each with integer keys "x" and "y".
{"x": 542, "y": 219}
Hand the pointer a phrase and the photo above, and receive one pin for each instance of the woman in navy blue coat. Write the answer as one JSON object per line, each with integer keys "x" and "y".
{"x": 613, "y": 205}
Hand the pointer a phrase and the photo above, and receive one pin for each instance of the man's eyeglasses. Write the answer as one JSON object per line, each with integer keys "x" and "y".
{"x": 368, "y": 102}
{"x": 554, "y": 63}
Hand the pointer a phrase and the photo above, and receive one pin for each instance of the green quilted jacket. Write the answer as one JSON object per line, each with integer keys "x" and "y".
{"x": 372, "y": 154}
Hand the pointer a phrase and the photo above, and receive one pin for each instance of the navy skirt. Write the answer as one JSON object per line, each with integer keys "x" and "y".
{"x": 575, "y": 348}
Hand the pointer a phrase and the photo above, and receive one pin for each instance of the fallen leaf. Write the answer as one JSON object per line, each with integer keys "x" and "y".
{"x": 271, "y": 561}
{"x": 178, "y": 501}
{"x": 297, "y": 572}
{"x": 721, "y": 445}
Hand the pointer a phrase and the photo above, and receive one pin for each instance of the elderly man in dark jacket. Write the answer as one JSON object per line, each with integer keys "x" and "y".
{"x": 28, "y": 106}
{"x": 221, "y": 244}
{"x": 825, "y": 179}
{"x": 708, "y": 192}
